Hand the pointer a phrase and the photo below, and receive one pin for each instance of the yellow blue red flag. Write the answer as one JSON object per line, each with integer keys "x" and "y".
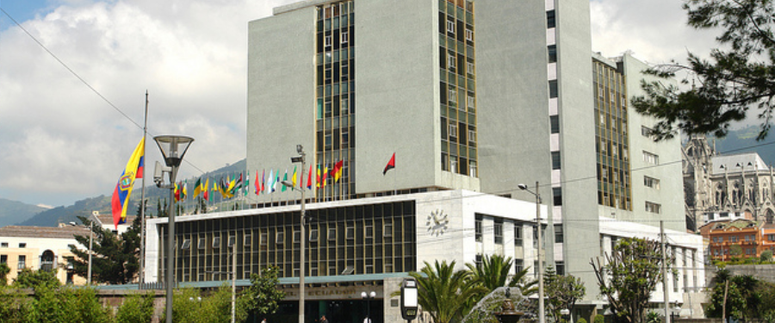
{"x": 133, "y": 170}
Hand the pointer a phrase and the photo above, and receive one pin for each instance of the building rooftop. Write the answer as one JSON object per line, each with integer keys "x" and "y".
{"x": 736, "y": 163}
{"x": 65, "y": 232}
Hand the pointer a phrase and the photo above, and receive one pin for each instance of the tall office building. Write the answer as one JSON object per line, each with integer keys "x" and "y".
{"x": 357, "y": 81}
{"x": 479, "y": 96}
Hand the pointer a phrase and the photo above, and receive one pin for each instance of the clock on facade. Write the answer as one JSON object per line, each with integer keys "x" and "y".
{"x": 437, "y": 222}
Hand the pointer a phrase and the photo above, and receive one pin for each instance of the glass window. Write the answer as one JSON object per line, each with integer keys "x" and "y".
{"x": 558, "y": 236}
{"x": 498, "y": 231}
{"x": 555, "y": 160}
{"x": 517, "y": 234}
{"x": 651, "y": 182}
{"x": 555, "y": 123}
{"x": 552, "y": 51}
{"x": 22, "y": 262}
{"x": 469, "y": 34}
{"x": 478, "y": 228}
{"x": 550, "y": 20}
{"x": 653, "y": 207}
{"x": 557, "y": 196}
{"x": 450, "y": 26}
{"x": 553, "y": 88}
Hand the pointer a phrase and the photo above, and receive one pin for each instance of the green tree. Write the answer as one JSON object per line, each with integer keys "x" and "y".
{"x": 491, "y": 273}
{"x": 189, "y": 305}
{"x": 14, "y": 305}
{"x": 766, "y": 256}
{"x": 161, "y": 209}
{"x": 494, "y": 271}
{"x": 735, "y": 79}
{"x": 629, "y": 276}
{"x": 562, "y": 292}
{"x": 136, "y": 308}
{"x": 263, "y": 297}
{"x": 35, "y": 279}
{"x": 746, "y": 297}
{"x": 66, "y": 304}
{"x": 4, "y": 270}
{"x": 443, "y": 291}
{"x": 115, "y": 259}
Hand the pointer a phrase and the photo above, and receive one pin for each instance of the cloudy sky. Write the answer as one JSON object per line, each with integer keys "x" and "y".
{"x": 73, "y": 79}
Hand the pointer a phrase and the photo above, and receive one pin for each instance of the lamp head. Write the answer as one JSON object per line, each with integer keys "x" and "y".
{"x": 522, "y": 186}
{"x": 173, "y": 148}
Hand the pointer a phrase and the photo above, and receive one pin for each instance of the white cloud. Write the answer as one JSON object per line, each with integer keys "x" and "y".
{"x": 62, "y": 142}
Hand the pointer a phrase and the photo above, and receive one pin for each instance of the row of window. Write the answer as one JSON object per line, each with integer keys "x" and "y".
{"x": 498, "y": 224}
{"x": 21, "y": 263}
{"x": 5, "y": 245}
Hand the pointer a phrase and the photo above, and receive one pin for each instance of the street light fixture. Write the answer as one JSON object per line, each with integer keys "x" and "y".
{"x": 173, "y": 148}
{"x": 368, "y": 297}
{"x": 541, "y": 310}
{"x": 303, "y": 243}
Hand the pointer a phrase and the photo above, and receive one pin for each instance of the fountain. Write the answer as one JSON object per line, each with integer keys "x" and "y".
{"x": 507, "y": 313}
{"x": 501, "y": 303}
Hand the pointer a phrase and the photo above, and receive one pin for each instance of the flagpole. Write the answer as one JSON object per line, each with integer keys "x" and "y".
{"x": 142, "y": 198}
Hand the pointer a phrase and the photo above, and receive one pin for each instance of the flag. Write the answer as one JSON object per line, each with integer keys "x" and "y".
{"x": 263, "y": 180}
{"x": 390, "y": 165}
{"x": 206, "y": 191}
{"x": 325, "y": 175}
{"x": 225, "y": 189}
{"x": 257, "y": 185}
{"x": 337, "y": 171}
{"x": 269, "y": 182}
{"x": 123, "y": 189}
{"x": 309, "y": 178}
{"x": 285, "y": 180}
{"x": 176, "y": 192}
{"x": 247, "y": 183}
{"x": 276, "y": 180}
{"x": 237, "y": 184}
{"x": 185, "y": 191}
{"x": 317, "y": 182}
{"x": 293, "y": 179}
{"x": 198, "y": 187}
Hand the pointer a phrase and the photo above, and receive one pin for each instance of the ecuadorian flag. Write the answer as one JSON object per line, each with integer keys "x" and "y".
{"x": 134, "y": 169}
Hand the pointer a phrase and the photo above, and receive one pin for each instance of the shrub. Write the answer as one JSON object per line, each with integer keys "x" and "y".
{"x": 599, "y": 319}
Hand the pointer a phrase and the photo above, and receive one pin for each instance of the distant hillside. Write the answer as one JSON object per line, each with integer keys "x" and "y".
{"x": 85, "y": 207}
{"x": 744, "y": 140}
{"x": 13, "y": 212}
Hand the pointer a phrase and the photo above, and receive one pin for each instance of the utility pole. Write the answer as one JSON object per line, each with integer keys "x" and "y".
{"x": 664, "y": 270}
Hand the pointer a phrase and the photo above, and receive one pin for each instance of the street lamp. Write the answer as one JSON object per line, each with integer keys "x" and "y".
{"x": 303, "y": 243}
{"x": 368, "y": 297}
{"x": 173, "y": 148}
{"x": 541, "y": 311}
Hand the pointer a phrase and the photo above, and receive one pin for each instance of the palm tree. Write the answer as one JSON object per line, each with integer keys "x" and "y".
{"x": 444, "y": 292}
{"x": 494, "y": 271}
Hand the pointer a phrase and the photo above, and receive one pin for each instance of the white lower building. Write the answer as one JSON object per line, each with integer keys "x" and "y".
{"x": 370, "y": 244}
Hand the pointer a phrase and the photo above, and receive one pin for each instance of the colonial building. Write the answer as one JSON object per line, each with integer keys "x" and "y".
{"x": 740, "y": 239}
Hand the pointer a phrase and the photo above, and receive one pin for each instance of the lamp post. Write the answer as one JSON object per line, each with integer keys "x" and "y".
{"x": 303, "y": 242}
{"x": 368, "y": 297}
{"x": 541, "y": 311}
{"x": 173, "y": 148}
